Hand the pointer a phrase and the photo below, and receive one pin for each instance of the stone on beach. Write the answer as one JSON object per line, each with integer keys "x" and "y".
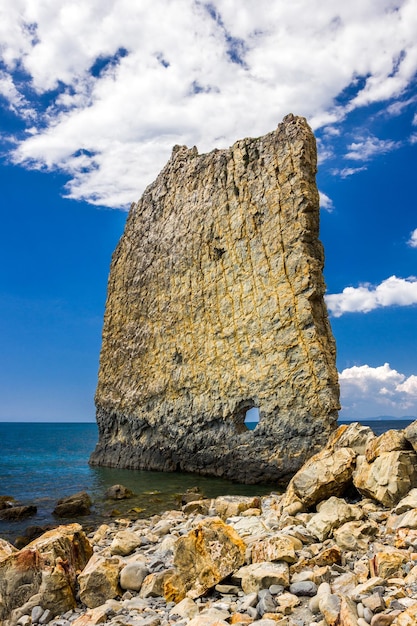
{"x": 203, "y": 558}
{"x": 99, "y": 580}
{"x": 44, "y": 572}
{"x": 343, "y": 564}
{"x": 388, "y": 478}
{"x": 325, "y": 474}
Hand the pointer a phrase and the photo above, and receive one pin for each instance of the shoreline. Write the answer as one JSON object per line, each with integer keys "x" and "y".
{"x": 314, "y": 555}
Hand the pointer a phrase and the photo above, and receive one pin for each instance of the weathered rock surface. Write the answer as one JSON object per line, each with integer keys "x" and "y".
{"x": 203, "y": 558}
{"x": 43, "y": 573}
{"x": 388, "y": 478}
{"x": 215, "y": 305}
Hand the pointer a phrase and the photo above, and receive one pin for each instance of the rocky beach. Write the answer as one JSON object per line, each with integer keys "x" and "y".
{"x": 338, "y": 548}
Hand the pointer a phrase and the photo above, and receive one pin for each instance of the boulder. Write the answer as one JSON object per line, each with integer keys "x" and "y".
{"x": 388, "y": 563}
{"x": 6, "y": 549}
{"x": 133, "y": 575}
{"x": 355, "y": 535}
{"x": 389, "y": 441}
{"x": 262, "y": 575}
{"x": 327, "y": 473}
{"x": 407, "y": 618}
{"x": 99, "y": 580}
{"x": 153, "y": 585}
{"x": 389, "y": 478}
{"x": 354, "y": 436}
{"x": 332, "y": 513}
{"x": 125, "y": 542}
{"x": 230, "y": 506}
{"x": 73, "y": 506}
{"x": 410, "y": 433}
{"x": 15, "y": 513}
{"x": 191, "y": 495}
{"x": 276, "y": 548}
{"x": 407, "y": 503}
{"x": 118, "y": 492}
{"x": 203, "y": 558}
{"x": 44, "y": 572}
{"x": 6, "y": 502}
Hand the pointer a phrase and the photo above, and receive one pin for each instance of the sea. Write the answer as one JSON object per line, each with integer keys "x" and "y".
{"x": 43, "y": 462}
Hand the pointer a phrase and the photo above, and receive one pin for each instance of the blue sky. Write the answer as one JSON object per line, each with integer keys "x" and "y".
{"x": 94, "y": 95}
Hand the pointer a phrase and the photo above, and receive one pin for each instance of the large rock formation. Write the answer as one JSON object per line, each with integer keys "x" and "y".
{"x": 215, "y": 305}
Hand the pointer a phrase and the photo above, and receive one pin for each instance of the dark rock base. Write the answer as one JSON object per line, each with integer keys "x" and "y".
{"x": 217, "y": 448}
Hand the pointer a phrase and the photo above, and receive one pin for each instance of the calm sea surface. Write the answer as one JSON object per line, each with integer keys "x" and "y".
{"x": 42, "y": 462}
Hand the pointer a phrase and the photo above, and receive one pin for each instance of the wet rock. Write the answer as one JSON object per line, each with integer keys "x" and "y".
{"x": 15, "y": 513}
{"x": 75, "y": 505}
{"x": 118, "y": 492}
{"x": 191, "y": 495}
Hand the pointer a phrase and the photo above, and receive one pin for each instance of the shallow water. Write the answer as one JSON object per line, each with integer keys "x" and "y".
{"x": 42, "y": 462}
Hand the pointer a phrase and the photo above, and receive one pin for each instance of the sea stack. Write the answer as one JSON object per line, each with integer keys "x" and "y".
{"x": 215, "y": 305}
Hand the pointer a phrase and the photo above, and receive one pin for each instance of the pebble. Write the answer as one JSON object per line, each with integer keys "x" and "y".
{"x": 304, "y": 588}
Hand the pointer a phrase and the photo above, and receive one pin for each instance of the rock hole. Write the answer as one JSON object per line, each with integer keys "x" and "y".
{"x": 252, "y": 418}
{"x": 246, "y": 415}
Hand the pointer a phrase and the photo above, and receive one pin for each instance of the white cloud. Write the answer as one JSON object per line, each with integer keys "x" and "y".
{"x": 369, "y": 391}
{"x": 326, "y": 203}
{"x": 391, "y": 292}
{"x": 412, "y": 242}
{"x": 123, "y": 81}
{"x": 367, "y": 148}
{"x": 348, "y": 171}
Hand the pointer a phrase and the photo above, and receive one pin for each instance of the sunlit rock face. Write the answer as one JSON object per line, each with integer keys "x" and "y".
{"x": 215, "y": 305}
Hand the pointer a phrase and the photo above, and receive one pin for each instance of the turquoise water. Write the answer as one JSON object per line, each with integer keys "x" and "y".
{"x": 43, "y": 462}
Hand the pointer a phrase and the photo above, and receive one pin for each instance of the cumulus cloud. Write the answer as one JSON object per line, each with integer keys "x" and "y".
{"x": 412, "y": 242}
{"x": 368, "y": 391}
{"x": 109, "y": 87}
{"x": 391, "y": 292}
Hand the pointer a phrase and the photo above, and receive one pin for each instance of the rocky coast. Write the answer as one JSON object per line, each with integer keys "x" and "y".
{"x": 338, "y": 548}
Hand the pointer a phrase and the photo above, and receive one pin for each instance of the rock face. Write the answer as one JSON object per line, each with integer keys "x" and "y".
{"x": 215, "y": 305}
